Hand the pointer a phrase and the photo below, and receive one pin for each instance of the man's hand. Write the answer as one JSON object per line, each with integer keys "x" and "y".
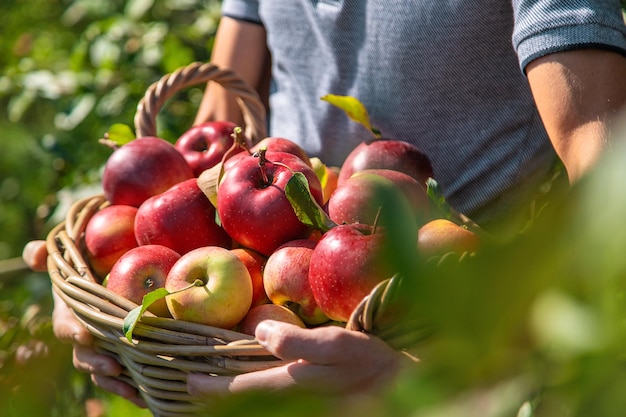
{"x": 103, "y": 369}
{"x": 327, "y": 360}
{"x": 68, "y": 329}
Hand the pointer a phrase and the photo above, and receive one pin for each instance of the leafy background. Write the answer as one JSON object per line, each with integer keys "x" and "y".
{"x": 533, "y": 327}
{"x": 69, "y": 70}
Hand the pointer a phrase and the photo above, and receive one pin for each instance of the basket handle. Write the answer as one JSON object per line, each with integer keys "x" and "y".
{"x": 159, "y": 92}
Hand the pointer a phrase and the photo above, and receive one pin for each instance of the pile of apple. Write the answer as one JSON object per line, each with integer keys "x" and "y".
{"x": 238, "y": 252}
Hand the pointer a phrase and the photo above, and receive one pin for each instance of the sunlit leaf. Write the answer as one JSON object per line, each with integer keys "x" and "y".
{"x": 208, "y": 181}
{"x": 437, "y": 198}
{"x": 133, "y": 316}
{"x": 355, "y": 110}
{"x": 120, "y": 134}
{"x": 320, "y": 170}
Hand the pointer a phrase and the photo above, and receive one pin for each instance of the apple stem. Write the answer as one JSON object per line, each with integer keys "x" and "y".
{"x": 195, "y": 283}
{"x": 375, "y": 225}
{"x": 262, "y": 161}
{"x": 239, "y": 140}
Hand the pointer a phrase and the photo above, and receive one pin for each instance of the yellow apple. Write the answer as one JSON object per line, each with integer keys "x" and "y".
{"x": 223, "y": 292}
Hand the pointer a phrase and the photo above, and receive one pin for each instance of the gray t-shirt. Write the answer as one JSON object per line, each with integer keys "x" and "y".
{"x": 446, "y": 76}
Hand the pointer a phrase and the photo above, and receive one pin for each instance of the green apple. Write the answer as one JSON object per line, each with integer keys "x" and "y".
{"x": 223, "y": 292}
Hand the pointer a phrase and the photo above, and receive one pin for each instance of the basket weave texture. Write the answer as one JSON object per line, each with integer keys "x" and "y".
{"x": 163, "y": 350}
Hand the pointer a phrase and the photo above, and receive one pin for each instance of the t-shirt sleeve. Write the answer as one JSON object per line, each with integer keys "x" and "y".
{"x": 247, "y": 10}
{"x": 546, "y": 26}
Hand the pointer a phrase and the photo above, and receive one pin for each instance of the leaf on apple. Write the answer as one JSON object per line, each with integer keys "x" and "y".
{"x": 355, "y": 110}
{"x": 133, "y": 316}
{"x": 119, "y": 134}
{"x": 209, "y": 180}
{"x": 448, "y": 212}
{"x": 437, "y": 198}
{"x": 306, "y": 208}
{"x": 320, "y": 170}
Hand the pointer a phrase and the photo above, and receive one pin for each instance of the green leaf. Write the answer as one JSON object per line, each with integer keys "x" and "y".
{"x": 437, "y": 198}
{"x": 355, "y": 110}
{"x": 133, "y": 316}
{"x": 306, "y": 208}
{"x": 120, "y": 134}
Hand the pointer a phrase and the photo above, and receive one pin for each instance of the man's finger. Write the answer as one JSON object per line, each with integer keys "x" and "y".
{"x": 301, "y": 374}
{"x": 208, "y": 387}
{"x": 323, "y": 345}
{"x": 87, "y": 359}
{"x": 65, "y": 325}
{"x": 118, "y": 387}
{"x": 35, "y": 255}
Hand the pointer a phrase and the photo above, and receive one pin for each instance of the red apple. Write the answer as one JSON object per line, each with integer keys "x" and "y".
{"x": 366, "y": 198}
{"x": 204, "y": 145}
{"x": 387, "y": 154}
{"x": 286, "y": 280}
{"x": 252, "y": 205}
{"x": 413, "y": 190}
{"x": 225, "y": 295}
{"x": 268, "y": 312}
{"x": 108, "y": 235}
{"x": 271, "y": 144}
{"x": 181, "y": 218}
{"x": 278, "y": 144}
{"x": 255, "y": 262}
{"x": 142, "y": 168}
{"x": 141, "y": 270}
{"x": 347, "y": 263}
{"x": 440, "y": 236}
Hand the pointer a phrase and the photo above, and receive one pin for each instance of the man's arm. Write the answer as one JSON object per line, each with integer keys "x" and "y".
{"x": 578, "y": 93}
{"x": 241, "y": 47}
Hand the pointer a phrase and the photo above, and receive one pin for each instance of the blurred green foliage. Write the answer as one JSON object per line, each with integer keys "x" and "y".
{"x": 529, "y": 327}
{"x": 69, "y": 69}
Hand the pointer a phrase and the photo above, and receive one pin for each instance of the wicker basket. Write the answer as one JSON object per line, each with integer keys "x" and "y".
{"x": 164, "y": 351}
